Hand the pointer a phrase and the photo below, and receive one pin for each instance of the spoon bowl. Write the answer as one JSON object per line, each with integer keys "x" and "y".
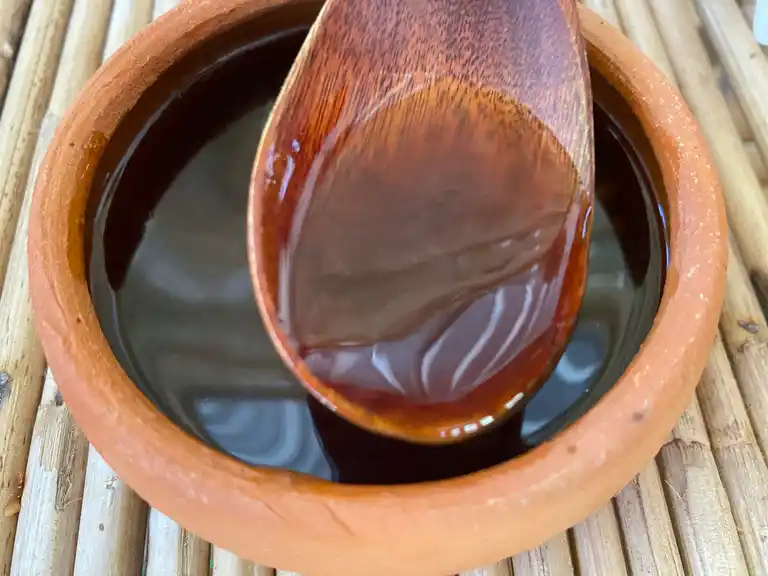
{"x": 420, "y": 209}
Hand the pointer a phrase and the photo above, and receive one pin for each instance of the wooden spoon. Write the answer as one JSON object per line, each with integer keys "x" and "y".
{"x": 420, "y": 209}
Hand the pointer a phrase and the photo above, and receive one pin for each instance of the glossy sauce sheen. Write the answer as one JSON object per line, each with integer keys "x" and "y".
{"x": 170, "y": 281}
{"x": 432, "y": 262}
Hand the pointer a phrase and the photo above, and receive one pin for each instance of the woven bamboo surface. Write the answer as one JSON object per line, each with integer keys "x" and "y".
{"x": 700, "y": 508}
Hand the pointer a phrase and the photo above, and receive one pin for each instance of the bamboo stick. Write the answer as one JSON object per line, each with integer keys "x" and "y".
{"x": 642, "y": 509}
{"x": 706, "y": 41}
{"x": 21, "y": 356}
{"x": 13, "y": 16}
{"x": 25, "y": 103}
{"x": 700, "y": 510}
{"x": 53, "y": 489}
{"x": 113, "y": 524}
{"x": 734, "y": 106}
{"x": 738, "y": 116}
{"x": 605, "y": 9}
{"x": 748, "y": 12}
{"x": 128, "y": 17}
{"x": 691, "y": 14}
{"x": 746, "y": 204}
{"x": 756, "y": 159}
{"x": 748, "y": 351}
{"x": 227, "y": 564}
{"x": 743, "y": 59}
{"x": 553, "y": 558}
{"x": 641, "y": 29}
{"x": 741, "y": 464}
{"x": 741, "y": 302}
{"x": 737, "y": 288}
{"x": 647, "y": 527}
{"x": 172, "y": 551}
{"x": 598, "y": 544}
{"x": 745, "y": 335}
{"x": 502, "y": 568}
{"x": 162, "y": 6}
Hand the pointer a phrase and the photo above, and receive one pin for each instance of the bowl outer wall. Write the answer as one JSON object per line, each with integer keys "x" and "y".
{"x": 314, "y": 527}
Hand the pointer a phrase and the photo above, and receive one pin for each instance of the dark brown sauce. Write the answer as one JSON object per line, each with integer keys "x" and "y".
{"x": 430, "y": 258}
{"x": 171, "y": 286}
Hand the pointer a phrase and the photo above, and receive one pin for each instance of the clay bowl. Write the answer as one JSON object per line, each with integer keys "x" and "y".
{"x": 311, "y": 526}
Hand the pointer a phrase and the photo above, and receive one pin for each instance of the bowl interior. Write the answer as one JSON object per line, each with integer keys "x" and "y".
{"x": 170, "y": 283}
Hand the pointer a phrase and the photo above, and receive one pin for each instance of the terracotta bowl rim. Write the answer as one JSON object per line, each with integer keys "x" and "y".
{"x": 560, "y": 481}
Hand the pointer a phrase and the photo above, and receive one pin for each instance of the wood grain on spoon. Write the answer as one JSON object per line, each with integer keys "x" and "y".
{"x": 421, "y": 205}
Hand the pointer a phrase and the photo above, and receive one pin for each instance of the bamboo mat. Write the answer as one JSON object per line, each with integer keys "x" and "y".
{"x": 700, "y": 508}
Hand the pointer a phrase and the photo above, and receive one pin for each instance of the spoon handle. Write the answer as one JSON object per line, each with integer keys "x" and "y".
{"x": 365, "y": 54}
